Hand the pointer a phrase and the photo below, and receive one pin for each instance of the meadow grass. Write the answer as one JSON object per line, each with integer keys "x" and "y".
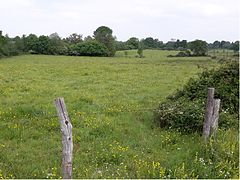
{"x": 110, "y": 102}
{"x": 223, "y": 54}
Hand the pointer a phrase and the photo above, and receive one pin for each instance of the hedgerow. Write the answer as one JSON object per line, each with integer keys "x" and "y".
{"x": 184, "y": 110}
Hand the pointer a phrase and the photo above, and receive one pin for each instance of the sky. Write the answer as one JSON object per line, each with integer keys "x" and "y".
{"x": 207, "y": 20}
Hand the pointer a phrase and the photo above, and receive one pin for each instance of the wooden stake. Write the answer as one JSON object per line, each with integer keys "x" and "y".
{"x": 67, "y": 143}
{"x": 208, "y": 114}
{"x": 215, "y": 117}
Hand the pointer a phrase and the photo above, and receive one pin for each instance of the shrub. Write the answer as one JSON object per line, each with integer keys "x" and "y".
{"x": 125, "y": 53}
{"x": 88, "y": 48}
{"x": 184, "y": 110}
{"x": 182, "y": 115}
{"x": 9, "y": 50}
{"x": 186, "y": 53}
{"x": 140, "y": 52}
{"x": 180, "y": 54}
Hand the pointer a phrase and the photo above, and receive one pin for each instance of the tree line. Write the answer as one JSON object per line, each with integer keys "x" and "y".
{"x": 198, "y": 47}
{"x": 101, "y": 43}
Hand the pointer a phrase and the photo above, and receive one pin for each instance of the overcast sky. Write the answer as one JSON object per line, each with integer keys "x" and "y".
{"x": 163, "y": 19}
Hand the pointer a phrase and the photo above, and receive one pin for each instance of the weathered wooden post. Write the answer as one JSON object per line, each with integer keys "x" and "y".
{"x": 208, "y": 114}
{"x": 215, "y": 117}
{"x": 67, "y": 143}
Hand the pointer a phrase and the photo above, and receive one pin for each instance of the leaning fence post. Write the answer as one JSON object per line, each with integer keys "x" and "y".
{"x": 67, "y": 143}
{"x": 215, "y": 117}
{"x": 208, "y": 113}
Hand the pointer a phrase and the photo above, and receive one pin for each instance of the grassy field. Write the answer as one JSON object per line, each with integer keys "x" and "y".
{"x": 110, "y": 102}
{"x": 223, "y": 54}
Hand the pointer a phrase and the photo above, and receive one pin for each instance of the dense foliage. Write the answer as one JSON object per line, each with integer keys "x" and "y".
{"x": 132, "y": 43}
{"x": 55, "y": 45}
{"x": 224, "y": 45}
{"x": 185, "y": 109}
{"x": 198, "y": 47}
{"x": 104, "y": 35}
{"x": 10, "y": 47}
{"x": 102, "y": 44}
{"x": 89, "y": 48}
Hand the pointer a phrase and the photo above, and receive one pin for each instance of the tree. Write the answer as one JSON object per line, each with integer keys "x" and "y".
{"x": 88, "y": 38}
{"x": 150, "y": 43}
{"x": 120, "y": 45}
{"x": 170, "y": 45}
{"x": 104, "y": 35}
{"x": 225, "y": 44}
{"x": 1, "y": 42}
{"x": 198, "y": 47}
{"x": 132, "y": 43}
{"x": 184, "y": 44}
{"x": 2, "y": 45}
{"x": 74, "y": 38}
{"x": 55, "y": 36}
{"x": 10, "y": 46}
{"x": 180, "y": 44}
{"x": 216, "y": 44}
{"x": 44, "y": 45}
{"x": 31, "y": 43}
{"x": 235, "y": 46}
{"x": 57, "y": 46}
{"x": 1, "y": 39}
{"x": 177, "y": 44}
{"x": 19, "y": 44}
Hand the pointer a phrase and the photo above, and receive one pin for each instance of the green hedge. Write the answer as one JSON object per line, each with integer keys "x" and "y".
{"x": 184, "y": 110}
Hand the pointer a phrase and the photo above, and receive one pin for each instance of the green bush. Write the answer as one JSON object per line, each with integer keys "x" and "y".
{"x": 184, "y": 110}
{"x": 186, "y": 53}
{"x": 89, "y": 48}
{"x": 9, "y": 51}
{"x": 182, "y": 115}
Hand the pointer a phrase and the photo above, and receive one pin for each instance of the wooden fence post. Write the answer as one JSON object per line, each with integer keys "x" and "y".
{"x": 215, "y": 117}
{"x": 67, "y": 143}
{"x": 208, "y": 114}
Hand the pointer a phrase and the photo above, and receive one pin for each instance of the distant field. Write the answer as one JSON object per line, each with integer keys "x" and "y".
{"x": 110, "y": 102}
{"x": 223, "y": 54}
